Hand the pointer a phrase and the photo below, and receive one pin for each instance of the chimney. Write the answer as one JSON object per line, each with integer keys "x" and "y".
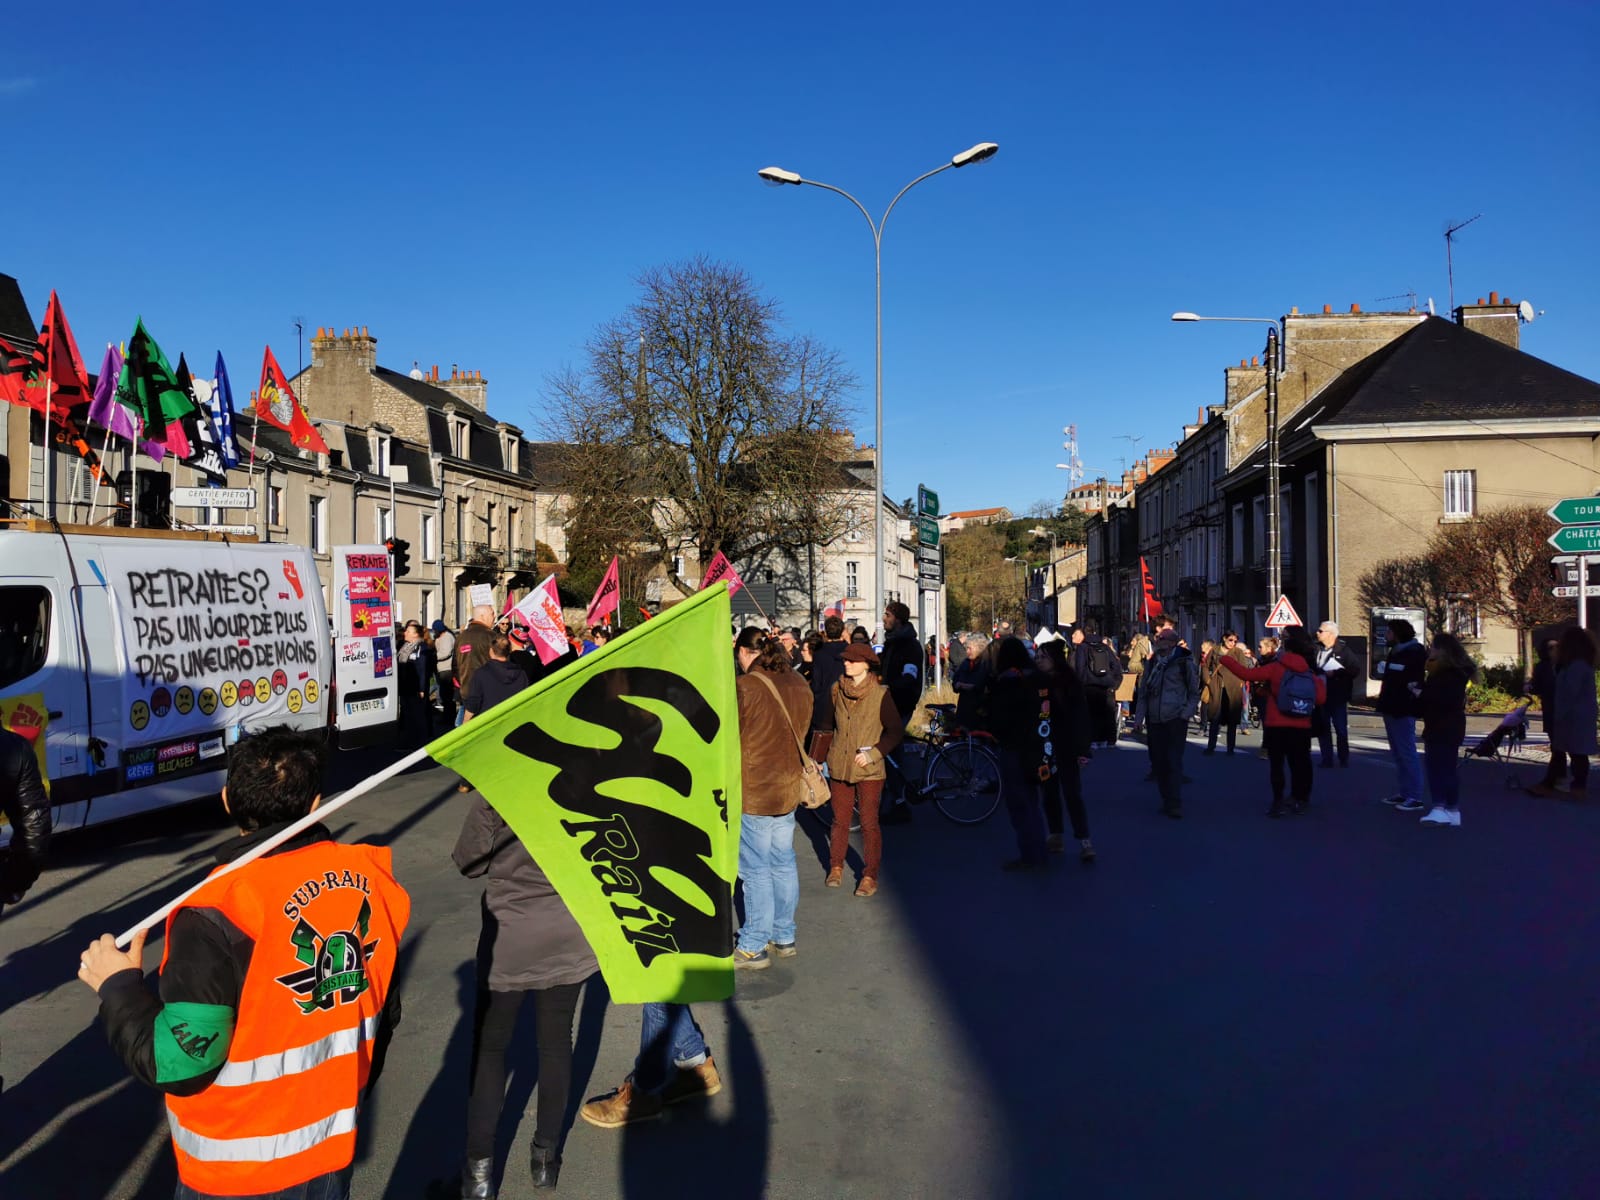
{"x": 1497, "y": 319}
{"x": 468, "y": 386}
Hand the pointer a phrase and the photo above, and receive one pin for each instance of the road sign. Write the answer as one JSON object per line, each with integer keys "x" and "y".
{"x": 1283, "y": 615}
{"x": 198, "y": 497}
{"x": 927, "y": 502}
{"x": 1576, "y": 539}
{"x": 1576, "y": 510}
{"x": 928, "y": 531}
{"x": 1570, "y": 592}
{"x": 235, "y": 530}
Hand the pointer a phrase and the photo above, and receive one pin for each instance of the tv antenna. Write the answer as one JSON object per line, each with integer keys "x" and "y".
{"x": 1409, "y": 296}
{"x": 1449, "y": 253}
{"x": 1135, "y": 438}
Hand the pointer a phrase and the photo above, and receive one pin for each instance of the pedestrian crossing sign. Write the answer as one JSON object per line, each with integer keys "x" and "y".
{"x": 1283, "y": 615}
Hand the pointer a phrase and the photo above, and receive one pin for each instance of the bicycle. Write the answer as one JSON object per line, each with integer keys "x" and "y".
{"x": 961, "y": 774}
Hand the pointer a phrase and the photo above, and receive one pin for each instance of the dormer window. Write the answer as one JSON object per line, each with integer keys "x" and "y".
{"x": 380, "y": 453}
{"x": 461, "y": 437}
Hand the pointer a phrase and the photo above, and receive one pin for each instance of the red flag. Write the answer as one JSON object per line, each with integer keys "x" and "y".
{"x": 20, "y": 371}
{"x": 277, "y": 405}
{"x": 1152, "y": 605}
{"x": 606, "y": 596}
{"x": 719, "y": 570}
{"x": 69, "y": 381}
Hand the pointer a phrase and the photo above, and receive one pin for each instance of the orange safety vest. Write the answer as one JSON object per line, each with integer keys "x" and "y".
{"x": 326, "y": 921}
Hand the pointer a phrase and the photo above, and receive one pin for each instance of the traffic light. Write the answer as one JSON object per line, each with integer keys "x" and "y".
{"x": 400, "y": 550}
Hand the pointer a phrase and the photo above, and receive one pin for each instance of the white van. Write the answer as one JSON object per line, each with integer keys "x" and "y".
{"x": 146, "y": 654}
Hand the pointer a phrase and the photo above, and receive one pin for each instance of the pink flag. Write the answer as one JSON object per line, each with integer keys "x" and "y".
{"x": 510, "y": 611}
{"x": 541, "y": 608}
{"x": 606, "y": 596}
{"x": 719, "y": 570}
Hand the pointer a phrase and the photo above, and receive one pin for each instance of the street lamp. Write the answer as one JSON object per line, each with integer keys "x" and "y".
{"x": 1274, "y": 367}
{"x": 778, "y": 177}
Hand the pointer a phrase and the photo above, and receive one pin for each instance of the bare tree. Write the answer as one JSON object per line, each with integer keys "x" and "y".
{"x": 1501, "y": 560}
{"x": 698, "y": 425}
{"x": 1418, "y": 580}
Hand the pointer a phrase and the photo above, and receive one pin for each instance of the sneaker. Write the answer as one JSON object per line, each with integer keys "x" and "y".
{"x": 835, "y": 877}
{"x": 693, "y": 1083}
{"x": 781, "y": 950}
{"x": 743, "y": 960}
{"x": 1412, "y": 805}
{"x": 1055, "y": 844}
{"x": 1395, "y": 801}
{"x": 1439, "y": 815}
{"x": 1085, "y": 851}
{"x": 867, "y": 887}
{"x": 625, "y": 1106}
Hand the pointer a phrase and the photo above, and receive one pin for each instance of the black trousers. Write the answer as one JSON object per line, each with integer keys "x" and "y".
{"x": 495, "y": 1022}
{"x": 1291, "y": 746}
{"x": 447, "y": 698}
{"x": 1067, "y": 786}
{"x": 1228, "y": 714}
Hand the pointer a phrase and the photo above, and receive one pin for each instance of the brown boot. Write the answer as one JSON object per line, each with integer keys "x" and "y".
{"x": 867, "y": 887}
{"x": 835, "y": 876}
{"x": 693, "y": 1083}
{"x": 625, "y": 1106}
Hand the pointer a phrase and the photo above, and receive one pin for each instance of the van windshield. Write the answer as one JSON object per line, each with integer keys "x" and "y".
{"x": 24, "y": 632}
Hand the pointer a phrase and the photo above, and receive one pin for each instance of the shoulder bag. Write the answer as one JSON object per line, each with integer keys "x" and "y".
{"x": 814, "y": 791}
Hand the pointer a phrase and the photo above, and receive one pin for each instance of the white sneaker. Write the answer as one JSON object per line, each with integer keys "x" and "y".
{"x": 1438, "y": 815}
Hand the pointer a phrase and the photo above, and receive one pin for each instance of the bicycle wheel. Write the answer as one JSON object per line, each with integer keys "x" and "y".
{"x": 964, "y": 782}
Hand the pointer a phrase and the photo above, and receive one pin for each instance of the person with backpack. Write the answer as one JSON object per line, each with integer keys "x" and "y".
{"x": 1100, "y": 671}
{"x": 1294, "y": 691}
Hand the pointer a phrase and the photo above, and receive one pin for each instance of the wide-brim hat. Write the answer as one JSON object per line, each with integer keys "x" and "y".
{"x": 860, "y": 652}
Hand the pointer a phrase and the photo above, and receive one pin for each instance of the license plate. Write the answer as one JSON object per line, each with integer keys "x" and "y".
{"x": 352, "y": 707}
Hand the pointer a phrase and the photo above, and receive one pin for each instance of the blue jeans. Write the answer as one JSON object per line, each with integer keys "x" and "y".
{"x": 668, "y": 1037}
{"x": 1333, "y": 732}
{"x": 1444, "y": 785}
{"x": 333, "y": 1186}
{"x": 1402, "y": 734}
{"x": 771, "y": 881}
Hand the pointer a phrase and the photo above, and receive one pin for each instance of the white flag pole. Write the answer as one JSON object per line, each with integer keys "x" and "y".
{"x": 321, "y": 813}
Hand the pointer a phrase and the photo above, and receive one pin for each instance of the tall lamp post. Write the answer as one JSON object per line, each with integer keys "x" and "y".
{"x": 777, "y": 176}
{"x": 1274, "y": 368}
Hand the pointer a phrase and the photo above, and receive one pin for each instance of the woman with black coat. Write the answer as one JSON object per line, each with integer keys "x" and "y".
{"x": 530, "y": 943}
{"x": 1573, "y": 716}
{"x": 1071, "y": 729}
{"x": 1020, "y": 708}
{"x": 1443, "y": 700}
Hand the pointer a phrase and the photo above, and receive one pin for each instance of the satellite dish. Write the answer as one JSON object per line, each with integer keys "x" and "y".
{"x": 1525, "y": 312}
{"x": 1431, "y": 313}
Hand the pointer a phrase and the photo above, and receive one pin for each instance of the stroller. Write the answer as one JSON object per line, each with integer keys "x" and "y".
{"x": 1506, "y": 738}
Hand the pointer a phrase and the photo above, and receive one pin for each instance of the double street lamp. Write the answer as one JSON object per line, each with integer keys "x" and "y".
{"x": 1274, "y": 368}
{"x": 777, "y": 176}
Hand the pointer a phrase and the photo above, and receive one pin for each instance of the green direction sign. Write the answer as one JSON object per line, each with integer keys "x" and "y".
{"x": 927, "y": 531}
{"x": 927, "y": 502}
{"x": 1576, "y": 539}
{"x": 1576, "y": 510}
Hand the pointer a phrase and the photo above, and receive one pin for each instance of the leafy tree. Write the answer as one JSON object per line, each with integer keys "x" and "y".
{"x": 697, "y": 425}
{"x": 982, "y": 586}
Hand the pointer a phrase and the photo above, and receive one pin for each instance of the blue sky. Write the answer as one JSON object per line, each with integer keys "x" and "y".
{"x": 482, "y": 185}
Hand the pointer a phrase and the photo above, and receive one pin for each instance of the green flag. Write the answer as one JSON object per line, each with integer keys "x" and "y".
{"x": 620, "y": 774}
{"x": 150, "y": 388}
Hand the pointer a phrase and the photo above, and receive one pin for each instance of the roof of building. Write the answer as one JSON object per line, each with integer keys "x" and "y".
{"x": 482, "y": 451}
{"x": 978, "y": 512}
{"x": 15, "y": 319}
{"x": 1441, "y": 371}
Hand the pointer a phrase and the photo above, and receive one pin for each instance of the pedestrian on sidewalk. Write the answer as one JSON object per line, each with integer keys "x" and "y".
{"x": 1100, "y": 671}
{"x": 1293, "y": 692}
{"x": 673, "y": 1065}
{"x": 864, "y": 727}
{"x": 413, "y": 679}
{"x": 1168, "y": 692}
{"x": 444, "y": 671}
{"x": 529, "y": 943}
{"x": 970, "y": 682}
{"x": 1225, "y": 701}
{"x": 1572, "y": 730}
{"x": 1266, "y": 651}
{"x": 1070, "y": 725}
{"x": 903, "y": 662}
{"x": 1336, "y": 663}
{"x": 1443, "y": 702}
{"x": 774, "y": 713}
{"x": 1542, "y": 683}
{"x": 1022, "y": 719}
{"x": 276, "y": 1000}
{"x": 1399, "y": 693}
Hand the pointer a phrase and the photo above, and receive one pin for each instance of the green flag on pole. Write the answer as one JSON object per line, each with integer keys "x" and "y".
{"x": 620, "y": 774}
{"x": 150, "y": 388}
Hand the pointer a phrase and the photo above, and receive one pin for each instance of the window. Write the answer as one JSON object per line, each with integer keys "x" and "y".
{"x": 24, "y": 632}
{"x": 461, "y": 438}
{"x": 384, "y": 525}
{"x": 852, "y": 581}
{"x": 461, "y": 520}
{"x": 428, "y": 536}
{"x": 319, "y": 524}
{"x": 488, "y": 521}
{"x": 380, "y": 454}
{"x": 1285, "y": 526}
{"x": 1236, "y": 558}
{"x": 1461, "y": 616}
{"x": 425, "y": 612}
{"x": 1258, "y": 529}
{"x": 275, "y": 506}
{"x": 511, "y": 527}
{"x": 1460, "y": 493}
{"x": 677, "y": 566}
{"x": 83, "y": 485}
{"x": 852, "y": 525}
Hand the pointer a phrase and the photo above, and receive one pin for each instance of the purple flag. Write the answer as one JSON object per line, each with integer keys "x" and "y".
{"x": 105, "y": 410}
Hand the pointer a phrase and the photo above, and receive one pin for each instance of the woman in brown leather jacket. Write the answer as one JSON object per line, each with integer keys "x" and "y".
{"x": 866, "y": 727}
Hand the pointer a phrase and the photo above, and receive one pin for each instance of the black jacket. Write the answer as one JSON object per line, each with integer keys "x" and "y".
{"x": 1444, "y": 707}
{"x": 27, "y": 808}
{"x": 903, "y": 659}
{"x": 1402, "y": 667}
{"x": 827, "y": 668}
{"x": 1086, "y": 653}
{"x": 493, "y": 683}
{"x": 207, "y": 961}
{"x": 1341, "y": 683}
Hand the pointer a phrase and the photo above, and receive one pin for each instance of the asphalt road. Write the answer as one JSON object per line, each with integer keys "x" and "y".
{"x": 1344, "y": 1004}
